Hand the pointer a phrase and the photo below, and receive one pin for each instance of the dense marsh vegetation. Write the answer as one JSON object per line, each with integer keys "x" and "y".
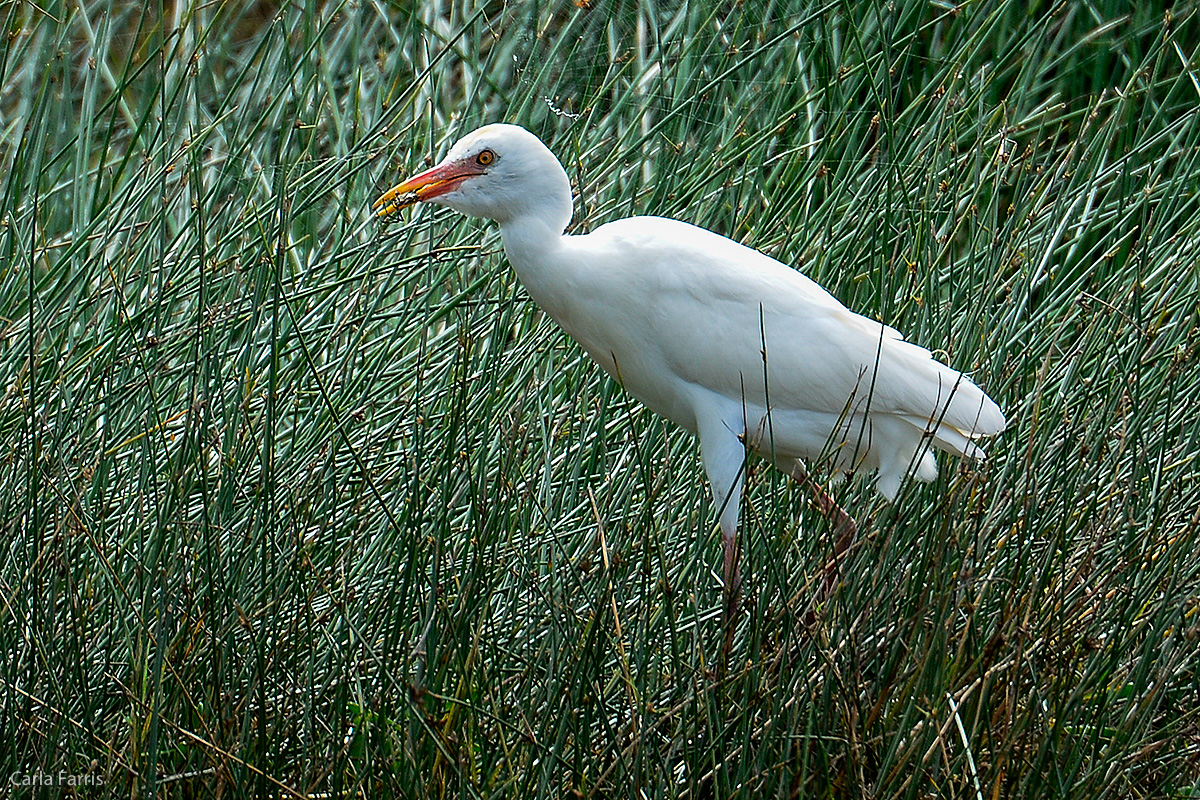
{"x": 298, "y": 505}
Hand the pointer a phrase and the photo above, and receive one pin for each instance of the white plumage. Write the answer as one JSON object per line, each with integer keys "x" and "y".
{"x": 681, "y": 317}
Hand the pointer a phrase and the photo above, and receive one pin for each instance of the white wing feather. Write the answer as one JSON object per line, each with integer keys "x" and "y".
{"x": 668, "y": 294}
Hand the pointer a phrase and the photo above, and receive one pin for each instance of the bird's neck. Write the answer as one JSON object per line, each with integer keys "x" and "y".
{"x": 535, "y": 249}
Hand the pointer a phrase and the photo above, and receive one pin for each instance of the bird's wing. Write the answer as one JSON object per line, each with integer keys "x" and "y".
{"x": 707, "y": 307}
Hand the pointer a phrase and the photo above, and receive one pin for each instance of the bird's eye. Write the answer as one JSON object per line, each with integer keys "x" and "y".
{"x": 485, "y": 157}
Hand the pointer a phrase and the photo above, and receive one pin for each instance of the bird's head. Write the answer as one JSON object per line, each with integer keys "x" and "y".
{"x": 499, "y": 172}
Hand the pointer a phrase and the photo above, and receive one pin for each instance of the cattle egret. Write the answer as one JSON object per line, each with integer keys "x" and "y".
{"x": 726, "y": 342}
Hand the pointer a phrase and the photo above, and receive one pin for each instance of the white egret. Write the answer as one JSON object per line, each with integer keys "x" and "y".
{"x": 728, "y": 343}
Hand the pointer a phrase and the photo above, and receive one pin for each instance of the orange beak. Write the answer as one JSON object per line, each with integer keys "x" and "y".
{"x": 429, "y": 184}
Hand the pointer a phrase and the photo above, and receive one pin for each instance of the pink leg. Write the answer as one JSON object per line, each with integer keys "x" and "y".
{"x": 731, "y": 593}
{"x": 732, "y": 573}
{"x": 845, "y": 529}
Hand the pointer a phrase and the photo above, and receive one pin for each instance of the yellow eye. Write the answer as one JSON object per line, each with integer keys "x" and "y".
{"x": 485, "y": 157}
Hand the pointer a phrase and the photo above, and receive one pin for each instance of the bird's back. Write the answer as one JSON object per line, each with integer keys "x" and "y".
{"x": 702, "y": 309}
